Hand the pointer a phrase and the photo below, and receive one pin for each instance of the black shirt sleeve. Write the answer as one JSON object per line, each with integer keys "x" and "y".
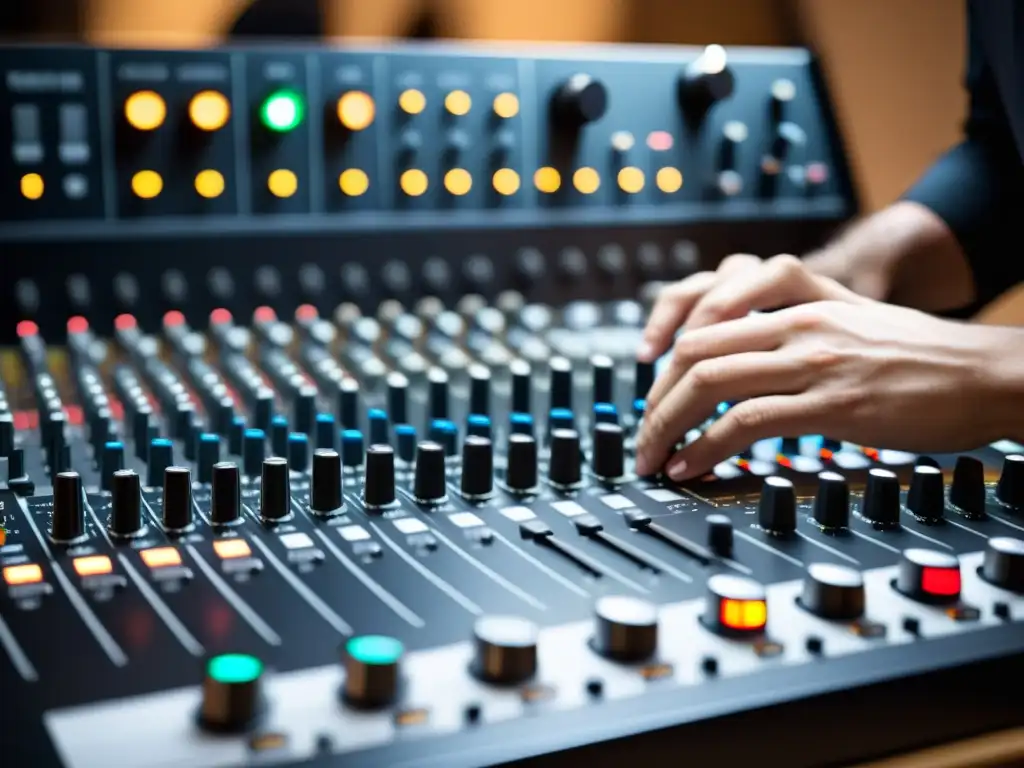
{"x": 977, "y": 187}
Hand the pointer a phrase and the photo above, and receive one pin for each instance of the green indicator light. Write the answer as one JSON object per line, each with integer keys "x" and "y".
{"x": 234, "y": 668}
{"x": 282, "y": 111}
{"x": 375, "y": 649}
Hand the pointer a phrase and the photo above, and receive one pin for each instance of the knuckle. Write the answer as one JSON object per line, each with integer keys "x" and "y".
{"x": 786, "y": 263}
{"x": 715, "y": 307}
{"x": 704, "y": 375}
{"x": 749, "y": 417}
{"x": 822, "y": 357}
{"x": 807, "y": 317}
{"x": 736, "y": 260}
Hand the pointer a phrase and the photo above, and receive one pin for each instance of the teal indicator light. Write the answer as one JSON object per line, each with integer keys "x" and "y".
{"x": 234, "y": 668}
{"x": 375, "y": 650}
{"x": 283, "y": 110}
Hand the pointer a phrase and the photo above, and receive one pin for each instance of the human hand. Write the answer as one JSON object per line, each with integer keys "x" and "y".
{"x": 870, "y": 373}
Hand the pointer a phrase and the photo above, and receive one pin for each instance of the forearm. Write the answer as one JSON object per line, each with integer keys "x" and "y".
{"x": 1007, "y": 378}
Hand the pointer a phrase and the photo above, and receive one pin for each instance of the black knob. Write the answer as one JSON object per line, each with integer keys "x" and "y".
{"x": 706, "y": 80}
{"x": 832, "y": 502}
{"x": 1010, "y": 489}
{"x": 438, "y": 392}
{"x": 603, "y": 372}
{"x": 522, "y": 386}
{"x": 125, "y": 504}
{"x": 177, "y": 512}
{"x": 225, "y": 494}
{"x": 379, "y": 482}
{"x": 926, "y": 498}
{"x": 429, "y": 480}
{"x": 232, "y": 698}
{"x": 929, "y": 576}
{"x": 479, "y": 390}
{"x": 564, "y": 463}
{"x": 625, "y": 628}
{"x": 68, "y": 520}
{"x": 477, "y": 467}
{"x": 140, "y": 431}
{"x": 719, "y": 534}
{"x": 304, "y": 408}
{"x": 521, "y": 472}
{"x": 253, "y": 451}
{"x": 881, "y": 503}
{"x": 398, "y": 397}
{"x": 1003, "y": 565}
{"x": 325, "y": 497}
{"x": 275, "y": 490}
{"x": 967, "y": 491}
{"x": 608, "y": 459}
{"x": 263, "y": 410}
{"x": 6, "y": 434}
{"x": 776, "y": 511}
{"x": 580, "y": 100}
{"x": 505, "y": 649}
{"x": 348, "y": 403}
{"x": 643, "y": 380}
{"x": 560, "y": 372}
{"x": 834, "y": 592}
{"x": 184, "y": 418}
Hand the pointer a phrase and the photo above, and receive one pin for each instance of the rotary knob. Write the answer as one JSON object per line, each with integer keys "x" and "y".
{"x": 521, "y": 472}
{"x": 232, "y": 698}
{"x": 325, "y": 497}
{"x": 275, "y": 490}
{"x": 67, "y": 522}
{"x": 1003, "y": 565}
{"x": 832, "y": 502}
{"x": 177, "y": 509}
{"x": 625, "y": 628}
{"x": 477, "y": 468}
{"x": 372, "y": 670}
{"x": 707, "y": 80}
{"x": 881, "y": 503}
{"x": 429, "y": 480}
{"x": 608, "y": 459}
{"x": 564, "y": 472}
{"x": 505, "y": 649}
{"x": 834, "y": 592}
{"x": 776, "y": 510}
{"x": 379, "y": 483}
{"x": 929, "y": 576}
{"x": 225, "y": 494}
{"x": 581, "y": 99}
{"x": 735, "y": 606}
{"x": 967, "y": 491}
{"x": 926, "y": 498}
{"x": 1010, "y": 489}
{"x": 125, "y": 505}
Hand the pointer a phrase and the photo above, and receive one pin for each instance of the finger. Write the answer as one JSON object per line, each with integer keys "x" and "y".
{"x": 746, "y": 423}
{"x": 709, "y": 382}
{"x": 670, "y": 309}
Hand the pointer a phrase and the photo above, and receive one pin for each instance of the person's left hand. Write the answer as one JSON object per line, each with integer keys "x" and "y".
{"x": 872, "y": 373}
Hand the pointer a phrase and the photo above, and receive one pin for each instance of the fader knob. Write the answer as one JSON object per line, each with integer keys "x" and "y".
{"x": 776, "y": 511}
{"x": 832, "y": 501}
{"x": 706, "y": 80}
{"x": 231, "y": 692}
{"x": 505, "y": 649}
{"x": 225, "y": 494}
{"x": 1010, "y": 489}
{"x": 625, "y": 628}
{"x": 603, "y": 372}
{"x": 834, "y": 592}
{"x": 125, "y": 504}
{"x": 720, "y": 534}
{"x": 428, "y": 483}
{"x": 325, "y": 497}
{"x": 1003, "y": 565}
{"x": 68, "y": 520}
{"x": 477, "y": 467}
{"x": 564, "y": 470}
{"x": 521, "y": 472}
{"x": 275, "y": 490}
{"x": 379, "y": 481}
{"x": 177, "y": 511}
{"x": 881, "y": 503}
{"x": 929, "y": 576}
{"x": 926, "y": 497}
{"x": 736, "y": 606}
{"x": 579, "y": 100}
{"x": 372, "y": 670}
{"x": 608, "y": 460}
{"x": 967, "y": 491}
{"x": 560, "y": 382}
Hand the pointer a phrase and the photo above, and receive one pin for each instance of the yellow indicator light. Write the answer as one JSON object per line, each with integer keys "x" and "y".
{"x": 413, "y": 182}
{"x": 505, "y": 181}
{"x": 209, "y": 184}
{"x": 631, "y": 179}
{"x": 547, "y": 179}
{"x": 506, "y": 105}
{"x": 743, "y": 614}
{"x": 586, "y": 180}
{"x": 458, "y": 103}
{"x": 18, "y": 575}
{"x": 282, "y": 183}
{"x": 669, "y": 179}
{"x": 94, "y": 565}
{"x": 353, "y": 182}
{"x": 412, "y": 102}
{"x": 231, "y": 549}
{"x": 32, "y": 186}
{"x": 410, "y": 717}
{"x": 458, "y": 181}
{"x": 147, "y": 184}
{"x": 356, "y": 110}
{"x": 160, "y": 557}
{"x": 145, "y": 110}
{"x": 209, "y": 110}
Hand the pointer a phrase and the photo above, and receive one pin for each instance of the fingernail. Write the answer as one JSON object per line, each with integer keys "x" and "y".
{"x": 676, "y": 468}
{"x": 645, "y": 352}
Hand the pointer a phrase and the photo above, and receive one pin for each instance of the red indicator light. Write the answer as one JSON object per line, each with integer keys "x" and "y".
{"x": 174, "y": 318}
{"x": 825, "y": 454}
{"x": 944, "y": 582}
{"x": 743, "y": 615}
{"x": 306, "y": 312}
{"x": 871, "y": 453}
{"x": 125, "y": 322}
{"x": 220, "y": 316}
{"x": 78, "y": 324}
{"x": 27, "y": 328}
{"x": 784, "y": 461}
{"x": 659, "y": 141}
{"x": 264, "y": 315}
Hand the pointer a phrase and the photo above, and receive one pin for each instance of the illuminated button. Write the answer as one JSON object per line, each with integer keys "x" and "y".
{"x": 209, "y": 184}
{"x": 296, "y": 540}
{"x": 372, "y": 670}
{"x": 413, "y": 182}
{"x": 147, "y": 184}
{"x": 659, "y": 141}
{"x": 231, "y": 692}
{"x": 93, "y": 565}
{"x": 209, "y": 110}
{"x": 356, "y": 110}
{"x": 282, "y": 183}
{"x": 669, "y": 180}
{"x": 929, "y": 576}
{"x": 412, "y": 102}
{"x": 354, "y": 182}
{"x": 586, "y": 180}
{"x": 547, "y": 180}
{"x": 231, "y": 549}
{"x": 506, "y": 105}
{"x": 145, "y": 110}
{"x": 735, "y": 606}
{"x": 3, "y": 536}
{"x": 505, "y": 181}
{"x": 283, "y": 111}
{"x": 161, "y": 557}
{"x": 458, "y": 103}
{"x": 622, "y": 141}
{"x": 32, "y": 186}
{"x": 631, "y": 179}
{"x": 458, "y": 181}
{"x": 19, "y": 575}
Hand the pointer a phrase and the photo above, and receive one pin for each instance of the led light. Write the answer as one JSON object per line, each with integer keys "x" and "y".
{"x": 458, "y": 103}
{"x": 145, "y": 110}
{"x": 356, "y": 110}
{"x": 209, "y": 110}
{"x": 375, "y": 649}
{"x": 622, "y": 141}
{"x": 32, "y": 186}
{"x": 458, "y": 181}
{"x": 19, "y": 575}
{"x": 412, "y": 102}
{"x": 631, "y": 179}
{"x": 547, "y": 180}
{"x": 659, "y": 141}
{"x": 669, "y": 180}
{"x": 93, "y": 565}
{"x": 147, "y": 184}
{"x": 506, "y": 105}
{"x": 942, "y": 582}
{"x": 160, "y": 557}
{"x": 413, "y": 182}
{"x": 231, "y": 549}
{"x": 3, "y": 536}
{"x": 505, "y": 181}
{"x": 283, "y": 111}
{"x": 743, "y": 615}
{"x": 353, "y": 182}
{"x": 296, "y": 540}
{"x": 234, "y": 668}
{"x": 282, "y": 183}
{"x": 209, "y": 184}
{"x": 586, "y": 180}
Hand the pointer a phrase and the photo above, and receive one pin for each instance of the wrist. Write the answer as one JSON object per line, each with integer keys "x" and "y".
{"x": 1006, "y": 369}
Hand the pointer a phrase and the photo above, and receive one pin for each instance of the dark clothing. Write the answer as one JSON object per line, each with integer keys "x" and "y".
{"x": 977, "y": 188}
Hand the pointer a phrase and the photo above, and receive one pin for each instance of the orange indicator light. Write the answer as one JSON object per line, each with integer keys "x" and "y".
{"x": 209, "y": 110}
{"x": 547, "y": 180}
{"x": 353, "y": 182}
{"x": 3, "y": 536}
{"x": 93, "y": 565}
{"x": 32, "y": 186}
{"x": 282, "y": 183}
{"x": 145, "y": 110}
{"x": 506, "y": 105}
{"x": 356, "y": 110}
{"x": 586, "y": 180}
{"x": 669, "y": 180}
{"x": 412, "y": 102}
{"x": 19, "y": 575}
{"x": 231, "y": 549}
{"x": 147, "y": 184}
{"x": 743, "y": 615}
{"x": 209, "y": 183}
{"x": 631, "y": 179}
{"x": 458, "y": 181}
{"x": 160, "y": 557}
{"x": 413, "y": 182}
{"x": 458, "y": 103}
{"x": 505, "y": 181}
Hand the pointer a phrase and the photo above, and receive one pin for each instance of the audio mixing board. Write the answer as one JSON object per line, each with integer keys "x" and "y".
{"x": 317, "y": 423}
